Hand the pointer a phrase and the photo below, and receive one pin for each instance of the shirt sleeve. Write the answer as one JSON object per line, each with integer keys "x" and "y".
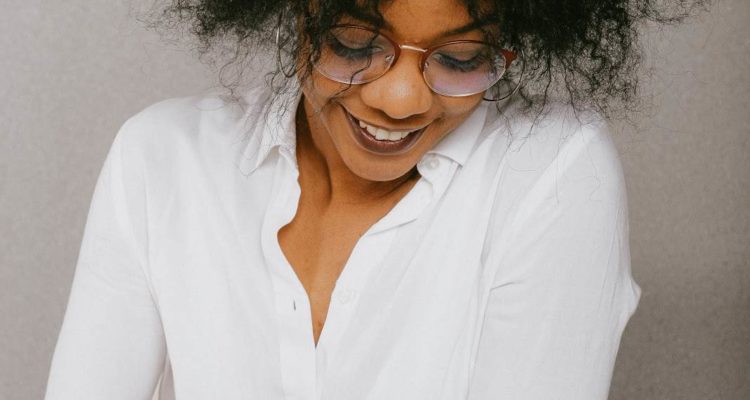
{"x": 563, "y": 292}
{"x": 111, "y": 344}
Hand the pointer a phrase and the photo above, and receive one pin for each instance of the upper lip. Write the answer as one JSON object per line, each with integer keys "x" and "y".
{"x": 400, "y": 130}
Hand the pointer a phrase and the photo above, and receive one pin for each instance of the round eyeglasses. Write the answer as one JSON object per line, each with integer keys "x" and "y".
{"x": 354, "y": 54}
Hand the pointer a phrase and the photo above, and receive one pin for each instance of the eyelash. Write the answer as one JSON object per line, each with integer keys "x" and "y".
{"x": 349, "y": 53}
{"x": 458, "y": 65}
{"x": 358, "y": 54}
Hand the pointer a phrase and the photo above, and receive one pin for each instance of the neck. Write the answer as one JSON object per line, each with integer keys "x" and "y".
{"x": 325, "y": 175}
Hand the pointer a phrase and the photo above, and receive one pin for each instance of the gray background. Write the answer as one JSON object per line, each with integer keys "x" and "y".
{"x": 72, "y": 72}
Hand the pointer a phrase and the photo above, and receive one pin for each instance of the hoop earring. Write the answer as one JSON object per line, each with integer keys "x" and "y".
{"x": 518, "y": 85}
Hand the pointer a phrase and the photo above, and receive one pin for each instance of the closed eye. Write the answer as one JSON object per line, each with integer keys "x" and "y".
{"x": 460, "y": 65}
{"x": 352, "y": 52}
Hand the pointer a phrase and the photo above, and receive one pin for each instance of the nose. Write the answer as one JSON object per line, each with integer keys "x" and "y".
{"x": 401, "y": 92}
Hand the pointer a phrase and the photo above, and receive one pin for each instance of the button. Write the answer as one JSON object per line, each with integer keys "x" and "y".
{"x": 433, "y": 163}
{"x": 345, "y": 296}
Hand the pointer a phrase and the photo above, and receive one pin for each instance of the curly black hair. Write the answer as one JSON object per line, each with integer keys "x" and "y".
{"x": 584, "y": 52}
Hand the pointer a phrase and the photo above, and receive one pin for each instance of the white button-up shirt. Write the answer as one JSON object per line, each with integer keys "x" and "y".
{"x": 503, "y": 274}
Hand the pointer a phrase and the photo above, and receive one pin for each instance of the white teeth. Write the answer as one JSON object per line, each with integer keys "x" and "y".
{"x": 381, "y": 134}
{"x": 384, "y": 134}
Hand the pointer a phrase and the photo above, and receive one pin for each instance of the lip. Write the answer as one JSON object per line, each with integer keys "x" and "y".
{"x": 382, "y": 147}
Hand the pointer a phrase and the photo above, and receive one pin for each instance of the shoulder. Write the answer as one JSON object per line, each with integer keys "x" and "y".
{"x": 175, "y": 129}
{"x": 562, "y": 153}
{"x": 187, "y": 118}
{"x": 562, "y": 168}
{"x": 561, "y": 203}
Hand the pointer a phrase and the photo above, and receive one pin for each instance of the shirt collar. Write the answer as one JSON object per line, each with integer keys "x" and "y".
{"x": 268, "y": 123}
{"x": 273, "y": 125}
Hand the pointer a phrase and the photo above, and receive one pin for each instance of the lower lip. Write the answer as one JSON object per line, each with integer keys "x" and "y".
{"x": 385, "y": 147}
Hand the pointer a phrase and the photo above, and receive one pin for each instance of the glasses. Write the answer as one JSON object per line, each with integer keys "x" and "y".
{"x": 354, "y": 54}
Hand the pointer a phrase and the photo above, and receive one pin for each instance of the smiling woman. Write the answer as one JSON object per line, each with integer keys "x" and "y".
{"x": 395, "y": 96}
{"x": 378, "y": 228}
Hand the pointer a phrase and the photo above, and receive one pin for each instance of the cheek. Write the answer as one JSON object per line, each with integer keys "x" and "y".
{"x": 456, "y": 110}
{"x": 460, "y": 107}
{"x": 321, "y": 91}
{"x": 316, "y": 95}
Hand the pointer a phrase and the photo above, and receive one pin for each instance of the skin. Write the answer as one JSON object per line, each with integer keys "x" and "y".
{"x": 344, "y": 188}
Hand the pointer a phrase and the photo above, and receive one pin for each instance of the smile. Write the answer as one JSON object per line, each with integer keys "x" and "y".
{"x": 380, "y": 140}
{"x": 384, "y": 134}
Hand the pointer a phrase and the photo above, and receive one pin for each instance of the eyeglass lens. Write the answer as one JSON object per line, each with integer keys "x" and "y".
{"x": 357, "y": 55}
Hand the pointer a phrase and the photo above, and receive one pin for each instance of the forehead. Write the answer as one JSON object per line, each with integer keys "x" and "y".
{"x": 419, "y": 21}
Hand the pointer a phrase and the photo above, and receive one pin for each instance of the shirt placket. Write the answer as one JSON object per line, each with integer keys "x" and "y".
{"x": 366, "y": 256}
{"x": 369, "y": 255}
{"x": 303, "y": 365}
{"x": 296, "y": 348}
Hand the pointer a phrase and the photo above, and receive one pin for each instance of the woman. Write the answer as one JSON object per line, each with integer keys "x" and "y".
{"x": 370, "y": 228}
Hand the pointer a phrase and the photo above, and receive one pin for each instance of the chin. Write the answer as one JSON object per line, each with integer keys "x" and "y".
{"x": 377, "y": 173}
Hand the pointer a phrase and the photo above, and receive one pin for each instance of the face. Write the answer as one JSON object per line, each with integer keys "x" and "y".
{"x": 339, "y": 116}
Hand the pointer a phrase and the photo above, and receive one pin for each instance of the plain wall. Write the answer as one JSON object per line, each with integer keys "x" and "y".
{"x": 72, "y": 72}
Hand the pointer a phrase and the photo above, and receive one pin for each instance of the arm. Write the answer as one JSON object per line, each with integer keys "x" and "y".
{"x": 563, "y": 292}
{"x": 111, "y": 344}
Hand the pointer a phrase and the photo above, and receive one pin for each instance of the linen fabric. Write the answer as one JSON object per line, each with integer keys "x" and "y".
{"x": 503, "y": 274}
